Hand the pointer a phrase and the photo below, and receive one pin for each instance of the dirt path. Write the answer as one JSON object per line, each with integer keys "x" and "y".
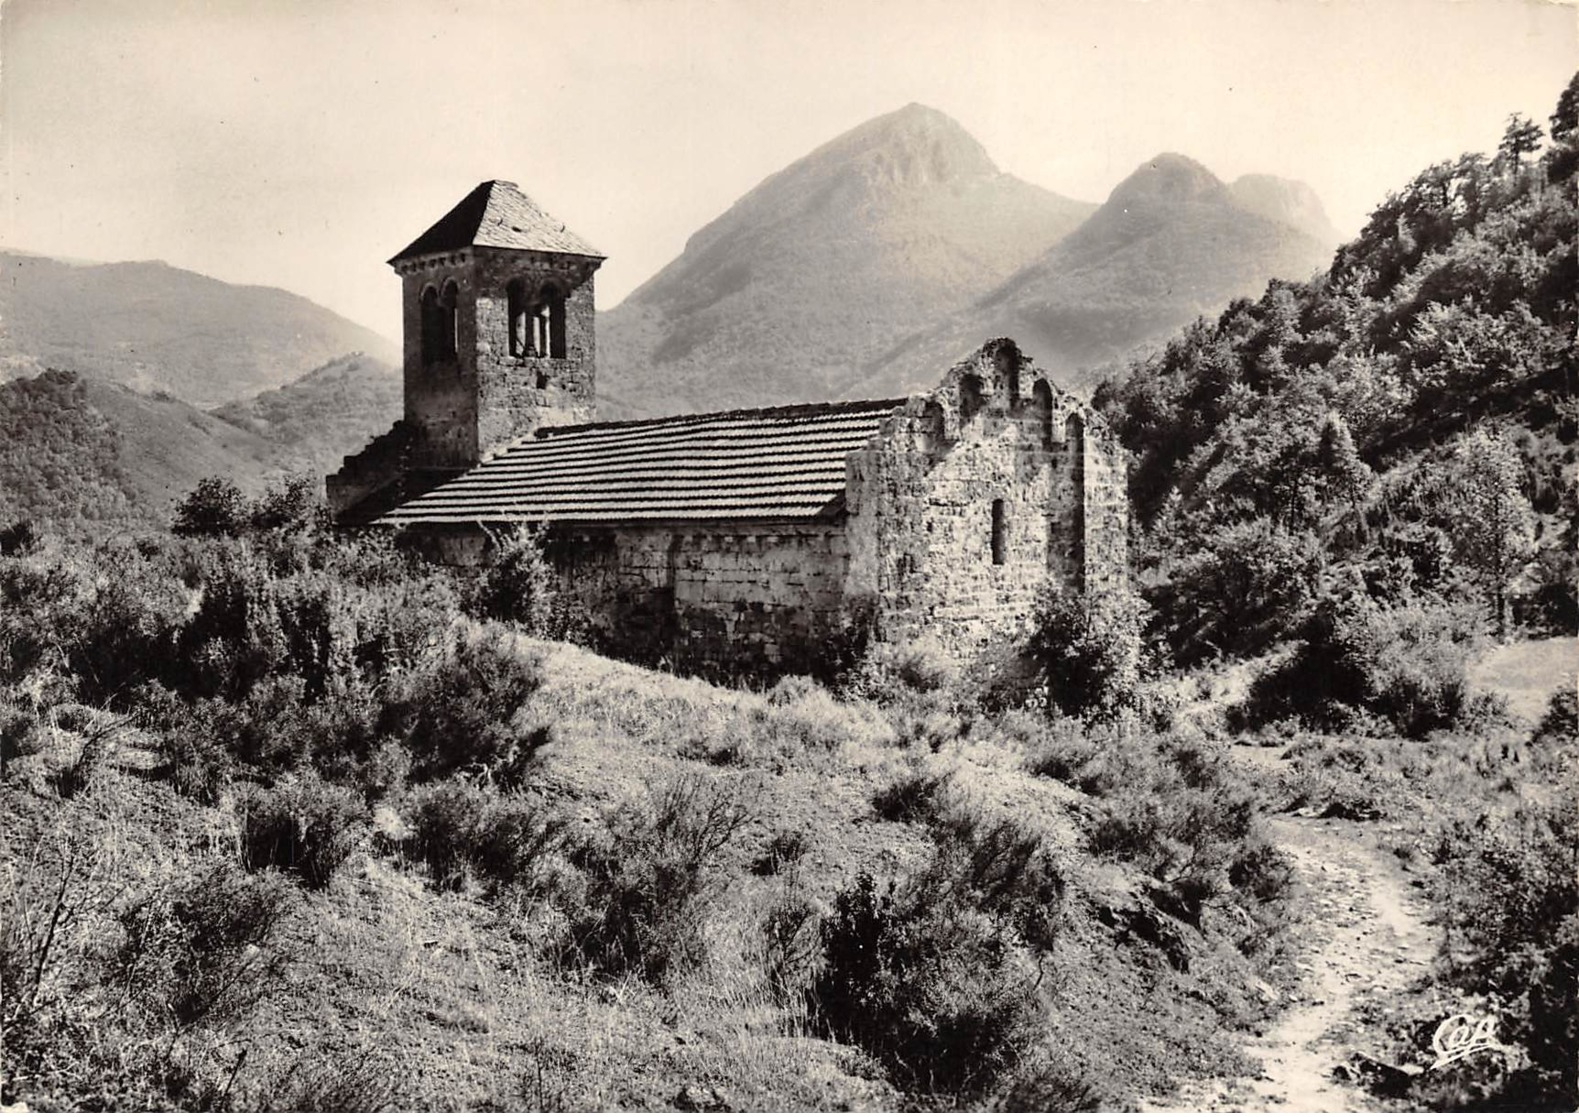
{"x": 1365, "y": 938}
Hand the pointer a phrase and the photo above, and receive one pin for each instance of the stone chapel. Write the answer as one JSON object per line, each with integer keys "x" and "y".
{"x": 738, "y": 542}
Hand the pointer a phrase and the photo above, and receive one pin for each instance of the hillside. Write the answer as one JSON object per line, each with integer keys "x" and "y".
{"x": 1389, "y": 451}
{"x": 333, "y": 411}
{"x": 80, "y": 455}
{"x": 275, "y": 794}
{"x": 1172, "y": 242}
{"x": 159, "y": 328}
{"x": 414, "y": 861}
{"x": 838, "y": 256}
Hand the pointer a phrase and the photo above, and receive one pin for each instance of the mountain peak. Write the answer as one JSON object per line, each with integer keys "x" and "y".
{"x": 916, "y": 145}
{"x": 1288, "y": 201}
{"x": 1167, "y": 178}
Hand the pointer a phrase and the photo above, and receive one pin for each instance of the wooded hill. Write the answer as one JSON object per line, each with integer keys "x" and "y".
{"x": 1400, "y": 431}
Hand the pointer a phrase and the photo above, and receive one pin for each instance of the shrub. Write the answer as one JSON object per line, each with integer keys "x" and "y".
{"x": 932, "y": 990}
{"x": 784, "y": 851}
{"x": 290, "y": 505}
{"x": 651, "y": 878}
{"x": 916, "y": 796}
{"x": 1057, "y": 748}
{"x": 459, "y": 828}
{"x": 302, "y": 825}
{"x": 512, "y": 840}
{"x": 1560, "y": 723}
{"x": 466, "y": 712}
{"x": 1089, "y": 651}
{"x": 1177, "y": 810}
{"x": 19, "y": 538}
{"x": 1240, "y": 590}
{"x": 192, "y": 741}
{"x": 370, "y": 1082}
{"x": 443, "y": 817}
{"x": 42, "y": 600}
{"x": 1513, "y": 907}
{"x": 887, "y": 672}
{"x": 215, "y": 507}
{"x": 1000, "y": 868}
{"x": 1405, "y": 665}
{"x": 521, "y": 587}
{"x": 204, "y": 949}
{"x": 791, "y": 946}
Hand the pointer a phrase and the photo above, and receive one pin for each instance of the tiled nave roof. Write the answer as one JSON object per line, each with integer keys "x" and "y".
{"x": 776, "y": 463}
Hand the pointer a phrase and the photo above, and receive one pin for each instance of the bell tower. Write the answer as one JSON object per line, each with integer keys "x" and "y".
{"x": 499, "y": 340}
{"x": 499, "y": 330}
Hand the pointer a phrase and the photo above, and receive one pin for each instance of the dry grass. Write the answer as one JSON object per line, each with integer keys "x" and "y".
{"x": 1527, "y": 674}
{"x": 399, "y": 993}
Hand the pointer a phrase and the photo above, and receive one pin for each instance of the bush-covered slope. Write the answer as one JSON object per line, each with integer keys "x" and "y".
{"x": 275, "y": 794}
{"x": 1401, "y": 432}
{"x": 319, "y": 419}
{"x": 84, "y": 456}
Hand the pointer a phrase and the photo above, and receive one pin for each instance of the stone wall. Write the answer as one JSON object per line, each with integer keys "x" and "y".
{"x": 995, "y": 450}
{"x": 722, "y": 601}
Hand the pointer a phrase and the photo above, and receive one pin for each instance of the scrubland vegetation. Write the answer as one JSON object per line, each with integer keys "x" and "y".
{"x": 292, "y": 825}
{"x": 296, "y": 822}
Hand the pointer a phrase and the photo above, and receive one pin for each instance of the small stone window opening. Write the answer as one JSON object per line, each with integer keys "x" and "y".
{"x": 520, "y": 324}
{"x": 450, "y": 326}
{"x": 970, "y": 396}
{"x": 1000, "y": 533}
{"x": 438, "y": 324}
{"x": 1042, "y": 406}
{"x": 431, "y": 330}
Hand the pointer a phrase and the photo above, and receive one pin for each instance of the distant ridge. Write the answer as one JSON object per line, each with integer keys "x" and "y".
{"x": 838, "y": 256}
{"x": 1171, "y": 243}
{"x": 159, "y": 328}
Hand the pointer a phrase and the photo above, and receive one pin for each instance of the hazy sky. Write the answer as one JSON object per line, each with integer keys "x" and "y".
{"x": 300, "y": 143}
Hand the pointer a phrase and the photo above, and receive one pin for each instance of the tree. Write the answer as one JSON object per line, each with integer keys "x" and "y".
{"x": 1565, "y": 121}
{"x": 1521, "y": 137}
{"x": 1493, "y": 526}
{"x": 1089, "y": 650}
{"x": 290, "y": 505}
{"x": 215, "y": 507}
{"x": 1563, "y": 158}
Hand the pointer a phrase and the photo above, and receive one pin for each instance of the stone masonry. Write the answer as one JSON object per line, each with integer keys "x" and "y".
{"x": 743, "y": 543}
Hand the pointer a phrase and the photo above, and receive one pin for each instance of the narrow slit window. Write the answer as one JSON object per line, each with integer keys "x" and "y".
{"x": 1000, "y": 533}
{"x": 449, "y": 325}
{"x": 432, "y": 327}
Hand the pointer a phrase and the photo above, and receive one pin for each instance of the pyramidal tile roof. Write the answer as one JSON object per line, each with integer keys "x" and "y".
{"x": 497, "y": 215}
{"x": 775, "y": 463}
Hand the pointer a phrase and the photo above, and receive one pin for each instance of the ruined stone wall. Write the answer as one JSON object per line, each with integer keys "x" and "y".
{"x": 721, "y": 601}
{"x": 922, "y": 505}
{"x": 1105, "y": 532}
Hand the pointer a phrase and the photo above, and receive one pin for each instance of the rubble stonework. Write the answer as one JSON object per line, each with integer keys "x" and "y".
{"x": 921, "y": 500}
{"x": 956, "y": 505}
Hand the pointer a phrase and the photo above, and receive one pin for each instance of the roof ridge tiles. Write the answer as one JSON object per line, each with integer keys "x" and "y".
{"x": 790, "y": 410}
